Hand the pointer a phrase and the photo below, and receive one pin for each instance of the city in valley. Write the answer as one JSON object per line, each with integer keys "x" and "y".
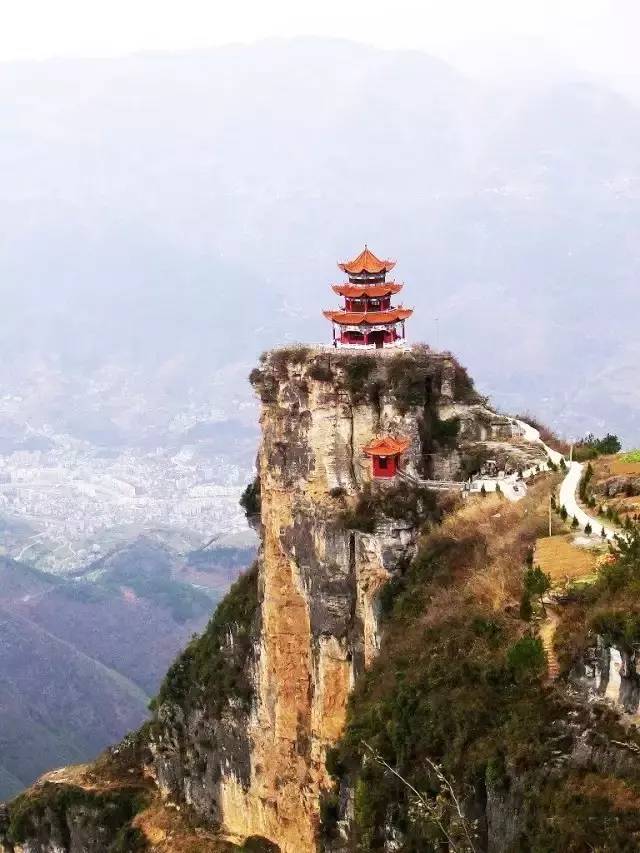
{"x": 66, "y": 500}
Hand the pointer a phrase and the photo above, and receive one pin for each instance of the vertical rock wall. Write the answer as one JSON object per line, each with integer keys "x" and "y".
{"x": 319, "y": 583}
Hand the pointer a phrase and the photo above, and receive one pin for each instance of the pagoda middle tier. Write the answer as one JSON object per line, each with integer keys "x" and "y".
{"x": 368, "y": 318}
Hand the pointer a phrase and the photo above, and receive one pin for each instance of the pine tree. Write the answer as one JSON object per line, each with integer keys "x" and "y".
{"x": 575, "y": 524}
{"x": 588, "y": 529}
{"x": 536, "y": 583}
{"x": 526, "y": 610}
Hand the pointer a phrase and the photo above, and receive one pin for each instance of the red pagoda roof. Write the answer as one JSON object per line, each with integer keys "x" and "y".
{"x": 387, "y": 446}
{"x": 371, "y": 290}
{"x": 370, "y": 318}
{"x": 366, "y": 262}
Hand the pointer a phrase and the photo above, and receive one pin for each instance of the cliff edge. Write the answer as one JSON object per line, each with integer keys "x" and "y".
{"x": 247, "y": 714}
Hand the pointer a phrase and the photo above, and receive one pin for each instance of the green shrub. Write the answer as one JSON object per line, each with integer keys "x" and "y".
{"x": 250, "y": 500}
{"x": 129, "y": 839}
{"x": 591, "y": 447}
{"x": 536, "y": 582}
{"x": 526, "y": 610}
{"x": 265, "y": 385}
{"x": 211, "y": 670}
{"x": 445, "y": 433}
{"x": 111, "y": 811}
{"x": 357, "y": 370}
{"x": 280, "y": 359}
{"x": 321, "y": 371}
{"x": 403, "y": 502}
{"x": 258, "y": 844}
{"x": 409, "y": 382}
{"x": 526, "y": 658}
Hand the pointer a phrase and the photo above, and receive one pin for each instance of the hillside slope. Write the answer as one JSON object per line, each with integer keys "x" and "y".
{"x": 378, "y": 680}
{"x": 81, "y": 656}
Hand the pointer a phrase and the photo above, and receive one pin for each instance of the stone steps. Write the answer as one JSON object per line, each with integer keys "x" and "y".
{"x": 547, "y": 635}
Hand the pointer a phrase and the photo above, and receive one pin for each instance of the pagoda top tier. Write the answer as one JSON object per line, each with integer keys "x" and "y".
{"x": 367, "y": 263}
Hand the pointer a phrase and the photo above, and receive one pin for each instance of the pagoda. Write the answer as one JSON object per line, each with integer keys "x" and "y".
{"x": 367, "y": 319}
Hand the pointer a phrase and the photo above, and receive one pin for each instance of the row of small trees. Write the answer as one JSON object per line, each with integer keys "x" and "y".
{"x": 575, "y": 524}
{"x": 590, "y": 447}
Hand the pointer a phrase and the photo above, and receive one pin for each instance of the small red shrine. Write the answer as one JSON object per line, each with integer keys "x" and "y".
{"x": 385, "y": 454}
{"x": 368, "y": 319}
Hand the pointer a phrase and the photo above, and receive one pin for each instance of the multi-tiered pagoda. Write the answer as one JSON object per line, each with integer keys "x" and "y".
{"x": 368, "y": 319}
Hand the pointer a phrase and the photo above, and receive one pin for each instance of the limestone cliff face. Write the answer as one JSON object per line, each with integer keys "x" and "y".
{"x": 261, "y": 770}
{"x": 247, "y": 713}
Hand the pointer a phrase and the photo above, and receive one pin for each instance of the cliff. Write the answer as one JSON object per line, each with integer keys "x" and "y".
{"x": 380, "y": 624}
{"x": 258, "y": 766}
{"x": 246, "y": 715}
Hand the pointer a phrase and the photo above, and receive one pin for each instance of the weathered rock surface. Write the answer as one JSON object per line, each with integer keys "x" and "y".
{"x": 620, "y": 485}
{"x": 319, "y": 583}
{"x": 248, "y": 712}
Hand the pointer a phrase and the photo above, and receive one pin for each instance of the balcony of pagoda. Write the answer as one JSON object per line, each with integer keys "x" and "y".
{"x": 375, "y": 338}
{"x": 367, "y": 278}
{"x": 363, "y": 303}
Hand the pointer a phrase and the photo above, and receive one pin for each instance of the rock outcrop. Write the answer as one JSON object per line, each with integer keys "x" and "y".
{"x": 247, "y": 713}
{"x": 259, "y": 768}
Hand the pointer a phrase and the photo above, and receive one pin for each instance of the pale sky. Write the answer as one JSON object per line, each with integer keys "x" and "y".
{"x": 596, "y": 35}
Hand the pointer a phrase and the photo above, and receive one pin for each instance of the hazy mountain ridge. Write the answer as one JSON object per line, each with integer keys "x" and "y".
{"x": 181, "y": 213}
{"x": 80, "y": 657}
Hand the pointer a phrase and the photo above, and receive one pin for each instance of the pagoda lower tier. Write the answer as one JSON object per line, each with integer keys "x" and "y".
{"x": 368, "y": 328}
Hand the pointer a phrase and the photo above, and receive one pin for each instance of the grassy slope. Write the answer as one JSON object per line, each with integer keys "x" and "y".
{"x": 460, "y": 681}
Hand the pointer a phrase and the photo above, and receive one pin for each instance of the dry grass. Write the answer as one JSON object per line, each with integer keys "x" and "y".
{"x": 621, "y": 468}
{"x": 564, "y": 561}
{"x": 490, "y": 574}
{"x": 621, "y": 797}
{"x": 169, "y": 831}
{"x": 614, "y": 466}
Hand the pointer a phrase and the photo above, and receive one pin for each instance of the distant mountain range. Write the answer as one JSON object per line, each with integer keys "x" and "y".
{"x": 169, "y": 216}
{"x": 80, "y": 657}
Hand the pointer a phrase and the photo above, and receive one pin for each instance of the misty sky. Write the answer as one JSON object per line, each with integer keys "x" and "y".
{"x": 598, "y": 36}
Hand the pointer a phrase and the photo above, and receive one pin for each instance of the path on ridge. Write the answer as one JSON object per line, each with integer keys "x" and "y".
{"x": 569, "y": 486}
{"x": 568, "y": 491}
